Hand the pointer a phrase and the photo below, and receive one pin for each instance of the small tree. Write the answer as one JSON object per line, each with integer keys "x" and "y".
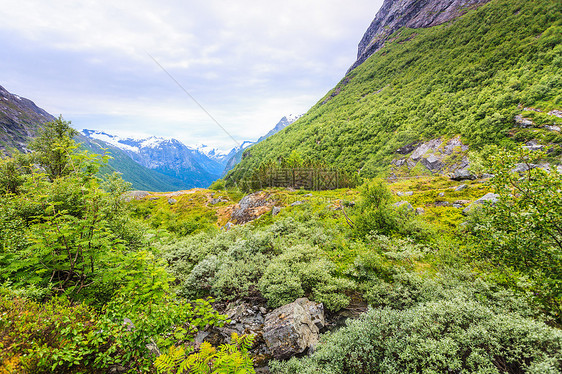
{"x": 521, "y": 235}
{"x": 53, "y": 148}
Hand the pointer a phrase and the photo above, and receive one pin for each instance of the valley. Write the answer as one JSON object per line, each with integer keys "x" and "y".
{"x": 409, "y": 222}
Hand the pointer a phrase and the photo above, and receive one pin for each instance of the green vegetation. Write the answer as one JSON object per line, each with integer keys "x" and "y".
{"x": 465, "y": 78}
{"x": 97, "y": 279}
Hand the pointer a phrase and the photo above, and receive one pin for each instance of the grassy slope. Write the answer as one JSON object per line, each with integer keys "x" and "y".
{"x": 467, "y": 77}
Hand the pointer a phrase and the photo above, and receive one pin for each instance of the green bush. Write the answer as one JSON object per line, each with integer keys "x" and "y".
{"x": 453, "y": 336}
{"x": 303, "y": 271}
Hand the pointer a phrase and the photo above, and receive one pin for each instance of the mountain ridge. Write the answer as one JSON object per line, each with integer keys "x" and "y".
{"x": 415, "y": 14}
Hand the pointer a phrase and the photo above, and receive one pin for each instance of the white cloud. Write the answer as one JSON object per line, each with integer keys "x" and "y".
{"x": 248, "y": 62}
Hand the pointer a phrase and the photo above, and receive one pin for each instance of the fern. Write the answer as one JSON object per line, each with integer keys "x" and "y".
{"x": 229, "y": 358}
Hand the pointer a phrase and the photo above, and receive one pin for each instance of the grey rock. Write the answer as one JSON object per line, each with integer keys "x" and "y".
{"x": 399, "y": 163}
{"x": 489, "y": 198}
{"x": 534, "y": 147}
{"x": 172, "y": 201}
{"x": 523, "y": 122}
{"x": 420, "y": 211}
{"x": 250, "y": 207}
{"x": 215, "y": 201}
{"x": 432, "y": 162}
{"x": 552, "y": 128}
{"x": 458, "y": 206}
{"x": 461, "y": 187}
{"x": 403, "y": 205}
{"x": 523, "y": 167}
{"x": 307, "y": 195}
{"x": 153, "y": 198}
{"x": 487, "y": 176}
{"x": 407, "y": 193}
{"x": 407, "y": 148}
{"x": 442, "y": 203}
{"x": 441, "y": 194}
{"x": 296, "y": 203}
{"x": 462, "y": 174}
{"x": 293, "y": 328}
{"x": 557, "y": 113}
{"x": 275, "y": 211}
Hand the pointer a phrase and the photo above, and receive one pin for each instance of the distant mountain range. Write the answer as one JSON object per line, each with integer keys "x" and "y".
{"x": 153, "y": 163}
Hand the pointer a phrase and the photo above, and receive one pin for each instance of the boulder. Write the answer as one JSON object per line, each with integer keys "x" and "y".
{"x": 557, "y": 113}
{"x": 490, "y": 198}
{"x": 407, "y": 148}
{"x": 442, "y": 203}
{"x": 523, "y": 122}
{"x": 404, "y": 205}
{"x": 293, "y": 328}
{"x": 407, "y": 193}
{"x": 251, "y": 206}
{"x": 461, "y": 187}
{"x": 420, "y": 211}
{"x": 275, "y": 211}
{"x": 296, "y": 203}
{"x": 172, "y": 201}
{"x": 523, "y": 167}
{"x": 432, "y": 162}
{"x": 552, "y": 128}
{"x": 462, "y": 174}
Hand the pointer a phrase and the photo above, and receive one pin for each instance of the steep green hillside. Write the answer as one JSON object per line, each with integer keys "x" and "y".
{"x": 469, "y": 77}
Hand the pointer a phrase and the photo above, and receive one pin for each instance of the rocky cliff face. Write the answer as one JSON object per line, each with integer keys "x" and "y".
{"x": 395, "y": 14}
{"x": 20, "y": 119}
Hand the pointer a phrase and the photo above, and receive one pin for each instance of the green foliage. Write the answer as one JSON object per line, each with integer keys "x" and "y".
{"x": 463, "y": 78}
{"x": 301, "y": 271}
{"x": 446, "y": 336}
{"x": 375, "y": 213}
{"x": 229, "y": 358}
{"x": 218, "y": 185}
{"x": 521, "y": 235}
{"x": 53, "y": 148}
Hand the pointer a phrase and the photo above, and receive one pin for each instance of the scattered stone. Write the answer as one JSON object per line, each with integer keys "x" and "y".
{"x": 442, "y": 203}
{"x": 153, "y": 198}
{"x": 399, "y": 163}
{"x": 534, "y": 147}
{"x": 275, "y": 211}
{"x": 463, "y": 174}
{"x": 296, "y": 203}
{"x": 308, "y": 195}
{"x": 407, "y": 148}
{"x": 263, "y": 310}
{"x": 462, "y": 202}
{"x": 441, "y": 194}
{"x": 457, "y": 206}
{"x": 552, "y": 128}
{"x": 399, "y": 193}
{"x": 214, "y": 201}
{"x": 487, "y": 176}
{"x": 228, "y": 226}
{"x": 556, "y": 113}
{"x": 404, "y": 205}
{"x": 523, "y": 167}
{"x": 420, "y": 211}
{"x": 490, "y": 198}
{"x": 172, "y": 201}
{"x": 523, "y": 122}
{"x": 135, "y": 195}
{"x": 461, "y": 188}
{"x": 293, "y": 328}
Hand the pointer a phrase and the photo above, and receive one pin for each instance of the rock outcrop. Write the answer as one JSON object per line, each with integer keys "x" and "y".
{"x": 293, "y": 328}
{"x": 251, "y": 207}
{"x": 20, "y": 120}
{"x": 436, "y": 155}
{"x": 415, "y": 14}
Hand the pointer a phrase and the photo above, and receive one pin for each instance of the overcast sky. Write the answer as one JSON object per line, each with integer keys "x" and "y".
{"x": 247, "y": 62}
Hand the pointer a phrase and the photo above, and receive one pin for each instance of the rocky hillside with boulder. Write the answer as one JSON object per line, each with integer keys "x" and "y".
{"x": 436, "y": 71}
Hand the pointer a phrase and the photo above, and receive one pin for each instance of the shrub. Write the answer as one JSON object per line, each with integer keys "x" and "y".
{"x": 436, "y": 337}
{"x": 300, "y": 271}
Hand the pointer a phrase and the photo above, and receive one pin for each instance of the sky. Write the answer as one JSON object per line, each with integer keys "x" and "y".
{"x": 113, "y": 65}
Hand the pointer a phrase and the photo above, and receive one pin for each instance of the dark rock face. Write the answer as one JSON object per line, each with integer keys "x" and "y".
{"x": 395, "y": 14}
{"x": 20, "y": 119}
